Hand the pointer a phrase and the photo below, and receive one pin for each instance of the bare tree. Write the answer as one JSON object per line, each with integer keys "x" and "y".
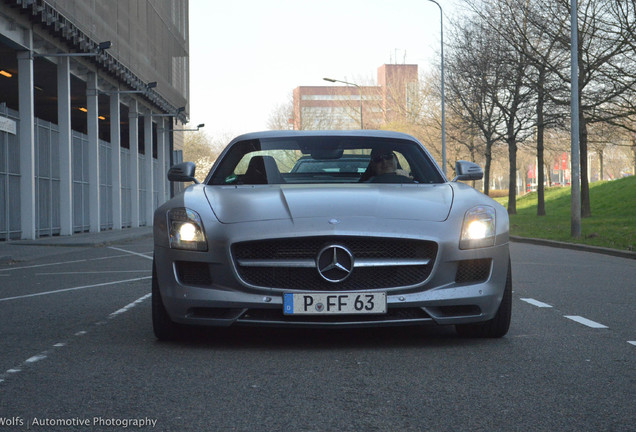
{"x": 607, "y": 71}
{"x": 474, "y": 79}
{"x": 282, "y": 117}
{"x": 199, "y": 148}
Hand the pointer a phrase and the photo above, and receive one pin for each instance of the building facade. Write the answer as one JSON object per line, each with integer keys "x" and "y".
{"x": 357, "y": 107}
{"x": 91, "y": 96}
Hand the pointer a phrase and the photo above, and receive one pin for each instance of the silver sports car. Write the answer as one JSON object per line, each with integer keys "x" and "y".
{"x": 288, "y": 230}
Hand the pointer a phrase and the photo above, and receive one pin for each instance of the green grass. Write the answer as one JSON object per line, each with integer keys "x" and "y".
{"x": 612, "y": 224}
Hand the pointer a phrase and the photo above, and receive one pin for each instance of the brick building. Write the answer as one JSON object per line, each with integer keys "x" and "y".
{"x": 355, "y": 107}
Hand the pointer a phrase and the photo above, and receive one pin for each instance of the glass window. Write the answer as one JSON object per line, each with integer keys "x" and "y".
{"x": 325, "y": 159}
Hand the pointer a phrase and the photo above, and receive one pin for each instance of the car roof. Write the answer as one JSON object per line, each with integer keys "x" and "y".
{"x": 368, "y": 133}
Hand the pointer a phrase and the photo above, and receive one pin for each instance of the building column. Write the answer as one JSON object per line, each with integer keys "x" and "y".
{"x": 27, "y": 145}
{"x": 115, "y": 159}
{"x": 65, "y": 140}
{"x": 133, "y": 139}
{"x": 93, "y": 153}
{"x": 150, "y": 202}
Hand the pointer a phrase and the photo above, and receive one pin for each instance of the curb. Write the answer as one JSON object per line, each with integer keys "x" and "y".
{"x": 575, "y": 246}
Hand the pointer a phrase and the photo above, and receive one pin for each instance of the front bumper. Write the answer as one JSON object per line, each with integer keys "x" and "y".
{"x": 444, "y": 298}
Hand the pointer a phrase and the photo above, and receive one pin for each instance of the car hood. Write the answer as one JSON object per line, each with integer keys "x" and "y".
{"x": 236, "y": 204}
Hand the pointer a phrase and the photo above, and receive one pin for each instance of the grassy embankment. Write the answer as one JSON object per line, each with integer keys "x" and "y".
{"x": 612, "y": 224}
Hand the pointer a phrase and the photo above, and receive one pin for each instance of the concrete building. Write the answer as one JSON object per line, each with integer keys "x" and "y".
{"x": 355, "y": 106}
{"x": 91, "y": 96}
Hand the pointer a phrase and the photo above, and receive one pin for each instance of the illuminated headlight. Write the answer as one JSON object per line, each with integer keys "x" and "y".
{"x": 186, "y": 230}
{"x": 478, "y": 229}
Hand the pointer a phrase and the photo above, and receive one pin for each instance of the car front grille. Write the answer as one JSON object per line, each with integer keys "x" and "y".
{"x": 291, "y": 263}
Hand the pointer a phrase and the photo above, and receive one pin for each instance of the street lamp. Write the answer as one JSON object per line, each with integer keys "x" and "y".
{"x": 147, "y": 87}
{"x": 441, "y": 24}
{"x": 101, "y": 47}
{"x": 175, "y": 114}
{"x": 359, "y": 88}
{"x": 199, "y": 126}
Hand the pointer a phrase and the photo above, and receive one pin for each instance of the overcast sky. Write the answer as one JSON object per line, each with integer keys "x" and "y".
{"x": 247, "y": 56}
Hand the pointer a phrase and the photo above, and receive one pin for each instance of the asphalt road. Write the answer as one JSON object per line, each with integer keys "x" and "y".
{"x": 77, "y": 352}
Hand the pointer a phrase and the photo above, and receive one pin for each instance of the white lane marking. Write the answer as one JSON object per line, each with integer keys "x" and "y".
{"x": 536, "y": 303}
{"x": 44, "y": 354}
{"x": 35, "y": 358}
{"x": 92, "y": 272}
{"x": 42, "y": 265}
{"x": 586, "y": 322}
{"x": 64, "y": 262}
{"x": 632, "y": 342}
{"x": 74, "y": 288}
{"x": 130, "y": 252}
{"x": 129, "y": 306}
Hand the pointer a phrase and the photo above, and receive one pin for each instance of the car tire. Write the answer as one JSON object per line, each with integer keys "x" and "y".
{"x": 164, "y": 328}
{"x": 499, "y": 325}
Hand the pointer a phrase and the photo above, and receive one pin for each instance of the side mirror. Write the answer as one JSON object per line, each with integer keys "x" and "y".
{"x": 468, "y": 171}
{"x": 183, "y": 172}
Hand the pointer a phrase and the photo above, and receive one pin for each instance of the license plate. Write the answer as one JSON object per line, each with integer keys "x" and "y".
{"x": 334, "y": 303}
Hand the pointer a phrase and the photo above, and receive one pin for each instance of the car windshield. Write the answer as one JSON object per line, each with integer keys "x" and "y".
{"x": 325, "y": 159}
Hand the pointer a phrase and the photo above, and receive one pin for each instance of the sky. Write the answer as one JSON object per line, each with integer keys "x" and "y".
{"x": 247, "y": 56}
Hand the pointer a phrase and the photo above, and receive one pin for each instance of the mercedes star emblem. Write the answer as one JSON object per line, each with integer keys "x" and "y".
{"x": 334, "y": 263}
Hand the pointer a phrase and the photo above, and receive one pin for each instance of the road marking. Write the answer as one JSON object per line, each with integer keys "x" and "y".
{"x": 74, "y": 288}
{"x": 64, "y": 262}
{"x": 130, "y": 252}
{"x": 92, "y": 272}
{"x": 632, "y": 342}
{"x": 44, "y": 354}
{"x": 129, "y": 306}
{"x": 536, "y": 303}
{"x": 35, "y": 358}
{"x": 586, "y": 322}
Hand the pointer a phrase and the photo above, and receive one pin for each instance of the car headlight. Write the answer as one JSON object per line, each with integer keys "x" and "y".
{"x": 478, "y": 229}
{"x": 186, "y": 230}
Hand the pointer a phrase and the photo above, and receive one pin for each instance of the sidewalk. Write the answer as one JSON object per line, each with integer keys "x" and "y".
{"x": 576, "y": 246}
{"x": 22, "y": 250}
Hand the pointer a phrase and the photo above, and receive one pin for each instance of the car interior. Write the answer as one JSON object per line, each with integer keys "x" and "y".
{"x": 352, "y": 161}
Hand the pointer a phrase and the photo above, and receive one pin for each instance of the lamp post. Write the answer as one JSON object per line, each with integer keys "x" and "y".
{"x": 575, "y": 177}
{"x": 352, "y": 84}
{"x": 441, "y": 23}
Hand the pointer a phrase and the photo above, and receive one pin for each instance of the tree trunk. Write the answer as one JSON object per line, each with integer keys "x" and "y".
{"x": 512, "y": 188}
{"x": 487, "y": 166}
{"x": 586, "y": 210}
